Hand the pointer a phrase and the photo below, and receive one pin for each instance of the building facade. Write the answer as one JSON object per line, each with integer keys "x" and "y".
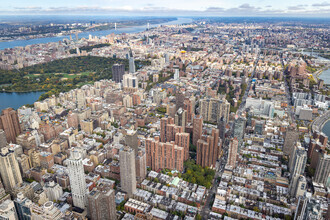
{"x": 77, "y": 179}
{"x": 127, "y": 170}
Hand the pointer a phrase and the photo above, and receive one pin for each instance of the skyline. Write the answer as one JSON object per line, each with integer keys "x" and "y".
{"x": 235, "y": 8}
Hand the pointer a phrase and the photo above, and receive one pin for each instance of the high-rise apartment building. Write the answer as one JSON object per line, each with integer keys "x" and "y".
{"x": 101, "y": 204}
{"x": 9, "y": 122}
{"x": 130, "y": 81}
{"x": 239, "y": 129}
{"x": 183, "y": 140}
{"x": 208, "y": 149}
{"x": 3, "y": 140}
{"x": 9, "y": 169}
{"x": 291, "y": 138}
{"x": 308, "y": 208}
{"x": 127, "y": 170}
{"x": 232, "y": 152}
{"x": 131, "y": 140}
{"x": 180, "y": 118}
{"x": 131, "y": 64}
{"x": 222, "y": 128}
{"x": 77, "y": 178}
{"x": 80, "y": 98}
{"x": 179, "y": 100}
{"x": 299, "y": 189}
{"x": 53, "y": 190}
{"x": 118, "y": 71}
{"x": 323, "y": 170}
{"x": 297, "y": 166}
{"x": 164, "y": 155}
{"x": 7, "y": 210}
{"x": 298, "y": 160}
{"x": 197, "y": 128}
{"x": 141, "y": 165}
{"x": 189, "y": 107}
{"x": 214, "y": 108}
{"x": 168, "y": 129}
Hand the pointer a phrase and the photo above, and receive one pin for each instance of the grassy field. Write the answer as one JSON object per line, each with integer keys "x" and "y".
{"x": 64, "y": 75}
{"x": 72, "y": 75}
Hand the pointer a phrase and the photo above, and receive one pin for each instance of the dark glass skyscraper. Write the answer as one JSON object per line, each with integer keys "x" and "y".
{"x": 118, "y": 70}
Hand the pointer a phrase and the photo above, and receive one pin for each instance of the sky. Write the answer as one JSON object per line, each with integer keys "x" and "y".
{"x": 233, "y": 8}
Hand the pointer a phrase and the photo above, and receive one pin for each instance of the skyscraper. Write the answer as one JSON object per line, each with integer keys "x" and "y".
{"x": 298, "y": 160}
{"x": 127, "y": 170}
{"x": 323, "y": 169}
{"x": 9, "y": 122}
{"x": 197, "y": 128}
{"x": 118, "y": 71}
{"x": 131, "y": 140}
{"x": 291, "y": 138}
{"x": 3, "y": 141}
{"x": 297, "y": 166}
{"x": 9, "y": 169}
{"x": 77, "y": 178}
{"x": 239, "y": 129}
{"x": 232, "y": 152}
{"x": 222, "y": 128}
{"x": 131, "y": 62}
{"x": 101, "y": 204}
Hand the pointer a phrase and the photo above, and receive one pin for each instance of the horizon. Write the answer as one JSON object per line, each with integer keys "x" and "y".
{"x": 208, "y": 8}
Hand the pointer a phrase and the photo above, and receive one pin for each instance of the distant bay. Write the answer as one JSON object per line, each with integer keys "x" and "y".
{"x": 134, "y": 29}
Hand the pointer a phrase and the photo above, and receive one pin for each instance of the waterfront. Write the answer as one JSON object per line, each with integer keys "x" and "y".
{"x": 325, "y": 75}
{"x": 135, "y": 29}
{"x": 17, "y": 99}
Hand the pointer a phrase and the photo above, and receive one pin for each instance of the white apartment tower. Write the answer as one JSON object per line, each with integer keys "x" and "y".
{"x": 9, "y": 169}
{"x": 127, "y": 170}
{"x": 77, "y": 179}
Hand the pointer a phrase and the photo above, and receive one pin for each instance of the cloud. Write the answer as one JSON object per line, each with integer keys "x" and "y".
{"x": 323, "y": 4}
{"x": 296, "y": 8}
{"x": 28, "y": 8}
{"x": 243, "y": 10}
{"x": 214, "y": 9}
{"x": 246, "y": 6}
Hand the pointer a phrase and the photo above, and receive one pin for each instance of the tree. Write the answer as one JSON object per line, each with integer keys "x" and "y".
{"x": 256, "y": 209}
{"x": 198, "y": 217}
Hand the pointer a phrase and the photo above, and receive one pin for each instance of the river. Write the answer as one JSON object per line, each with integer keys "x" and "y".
{"x": 16, "y": 100}
{"x": 135, "y": 29}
